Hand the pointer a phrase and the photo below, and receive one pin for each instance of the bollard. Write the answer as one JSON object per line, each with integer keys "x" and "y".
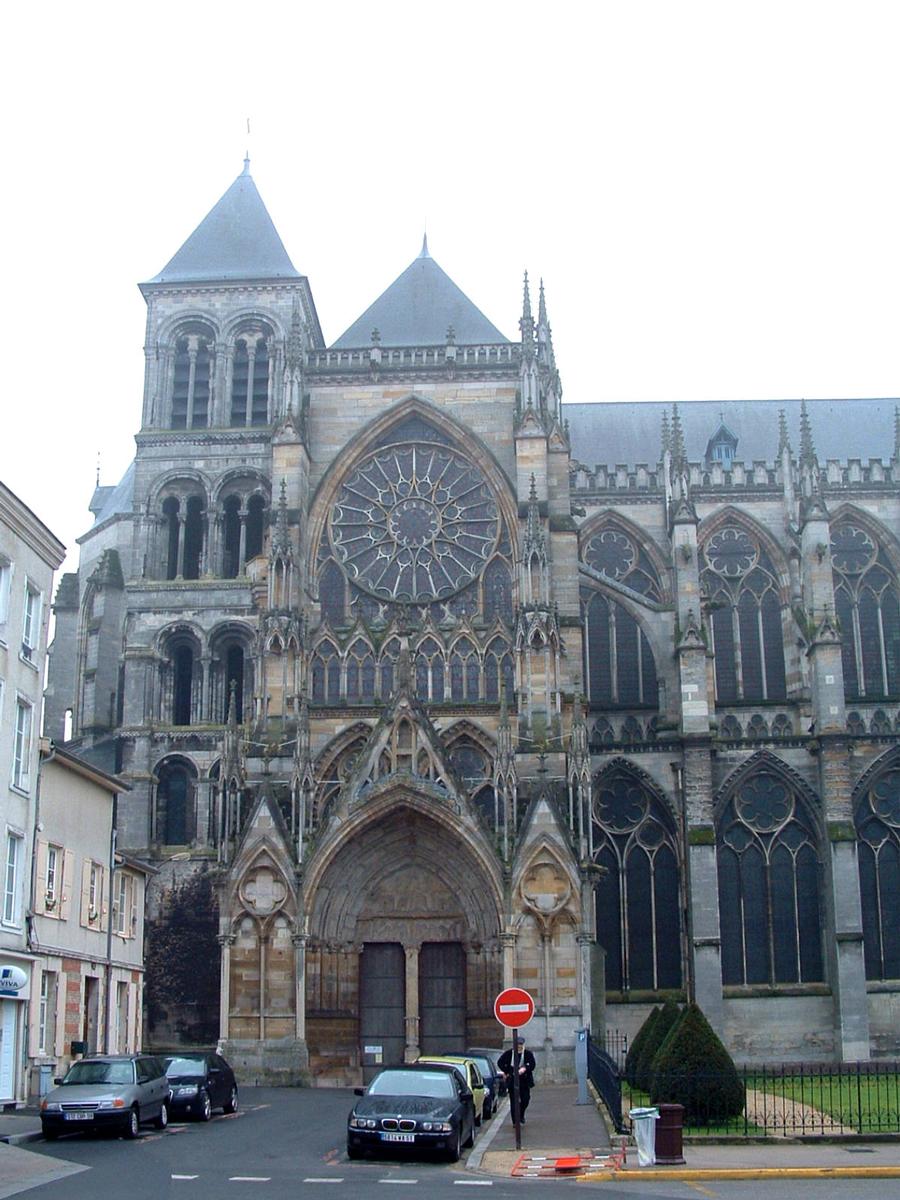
{"x": 669, "y": 1131}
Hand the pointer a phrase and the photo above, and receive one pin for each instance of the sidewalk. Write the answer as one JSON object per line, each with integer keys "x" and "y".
{"x": 558, "y": 1127}
{"x": 23, "y": 1125}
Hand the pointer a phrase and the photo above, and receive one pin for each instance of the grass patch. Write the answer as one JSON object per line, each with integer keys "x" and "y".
{"x": 863, "y": 1103}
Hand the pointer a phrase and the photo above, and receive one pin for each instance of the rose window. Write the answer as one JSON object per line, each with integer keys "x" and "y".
{"x": 731, "y": 552}
{"x": 612, "y": 554}
{"x": 764, "y": 803}
{"x": 852, "y": 550}
{"x": 414, "y": 523}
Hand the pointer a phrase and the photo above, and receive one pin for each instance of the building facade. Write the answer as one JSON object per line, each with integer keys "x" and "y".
{"x": 29, "y": 554}
{"x": 416, "y": 701}
{"x": 86, "y": 924}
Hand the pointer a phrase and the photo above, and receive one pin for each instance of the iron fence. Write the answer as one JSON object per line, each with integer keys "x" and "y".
{"x": 616, "y": 1046}
{"x": 783, "y": 1099}
{"x": 604, "y": 1074}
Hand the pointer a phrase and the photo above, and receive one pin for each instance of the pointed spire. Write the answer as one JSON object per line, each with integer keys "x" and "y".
{"x": 679, "y": 453}
{"x": 896, "y": 433}
{"x": 807, "y": 449}
{"x": 526, "y": 321}
{"x": 784, "y": 442}
{"x": 423, "y": 253}
{"x": 231, "y": 720}
{"x": 246, "y": 170}
{"x": 665, "y": 436}
{"x": 542, "y": 306}
{"x": 281, "y": 542}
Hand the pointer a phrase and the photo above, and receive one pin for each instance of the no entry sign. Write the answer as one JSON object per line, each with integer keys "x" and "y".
{"x": 514, "y": 1007}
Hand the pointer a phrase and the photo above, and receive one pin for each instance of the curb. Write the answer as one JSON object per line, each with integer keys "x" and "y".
{"x": 18, "y": 1139}
{"x": 737, "y": 1173}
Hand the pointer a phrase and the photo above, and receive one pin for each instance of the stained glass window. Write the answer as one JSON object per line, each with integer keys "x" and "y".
{"x": 878, "y": 830}
{"x": 866, "y": 599}
{"x": 619, "y": 665}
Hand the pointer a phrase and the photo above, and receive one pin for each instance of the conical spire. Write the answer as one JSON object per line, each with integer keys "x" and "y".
{"x": 784, "y": 442}
{"x": 665, "y": 436}
{"x": 679, "y": 453}
{"x": 423, "y": 253}
{"x": 526, "y": 321}
{"x": 807, "y": 449}
{"x": 281, "y": 540}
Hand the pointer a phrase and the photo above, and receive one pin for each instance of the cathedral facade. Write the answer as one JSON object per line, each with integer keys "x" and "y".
{"x": 416, "y": 701}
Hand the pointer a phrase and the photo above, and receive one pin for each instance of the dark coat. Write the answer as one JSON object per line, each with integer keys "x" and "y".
{"x": 524, "y": 1058}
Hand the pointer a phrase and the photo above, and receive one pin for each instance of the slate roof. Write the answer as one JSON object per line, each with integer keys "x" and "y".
{"x": 417, "y": 309}
{"x": 628, "y": 433}
{"x": 115, "y": 498}
{"x": 235, "y": 240}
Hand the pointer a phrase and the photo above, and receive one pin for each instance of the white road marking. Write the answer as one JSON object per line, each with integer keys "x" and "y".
{"x": 249, "y": 1178}
{"x": 474, "y": 1182}
{"x": 330, "y": 1179}
{"x": 398, "y": 1181}
{"x": 185, "y": 1176}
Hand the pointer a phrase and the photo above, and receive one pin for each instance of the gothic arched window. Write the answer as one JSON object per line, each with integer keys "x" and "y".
{"x": 497, "y": 592}
{"x": 360, "y": 673}
{"x": 430, "y": 672}
{"x": 191, "y": 378}
{"x": 326, "y": 674}
{"x": 769, "y": 885}
{"x": 637, "y": 899}
{"x": 878, "y": 831}
{"x": 175, "y": 823}
{"x": 866, "y": 598}
{"x": 618, "y": 666}
{"x": 613, "y": 552}
{"x": 747, "y": 636}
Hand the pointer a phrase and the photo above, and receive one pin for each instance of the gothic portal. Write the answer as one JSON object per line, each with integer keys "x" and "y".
{"x": 416, "y": 703}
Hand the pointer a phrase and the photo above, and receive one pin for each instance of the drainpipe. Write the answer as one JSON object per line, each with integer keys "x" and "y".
{"x": 109, "y": 928}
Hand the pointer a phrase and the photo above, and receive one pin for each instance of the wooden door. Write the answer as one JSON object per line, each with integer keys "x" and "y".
{"x": 382, "y": 1006}
{"x": 442, "y": 998}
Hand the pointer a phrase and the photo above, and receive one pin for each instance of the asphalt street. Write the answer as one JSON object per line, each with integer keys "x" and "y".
{"x": 291, "y": 1142}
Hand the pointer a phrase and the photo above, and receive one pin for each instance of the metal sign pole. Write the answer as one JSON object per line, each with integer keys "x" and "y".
{"x": 516, "y": 1112}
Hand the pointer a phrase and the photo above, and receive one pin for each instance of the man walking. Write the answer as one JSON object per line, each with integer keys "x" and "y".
{"x": 523, "y": 1066}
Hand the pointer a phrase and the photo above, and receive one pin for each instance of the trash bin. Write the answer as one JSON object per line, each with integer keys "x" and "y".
{"x": 669, "y": 1149}
{"x": 643, "y": 1121}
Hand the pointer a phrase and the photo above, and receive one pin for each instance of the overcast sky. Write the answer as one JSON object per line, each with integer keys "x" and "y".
{"x": 709, "y": 190}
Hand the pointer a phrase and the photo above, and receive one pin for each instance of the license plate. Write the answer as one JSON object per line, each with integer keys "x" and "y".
{"x": 398, "y": 1137}
{"x": 79, "y": 1116}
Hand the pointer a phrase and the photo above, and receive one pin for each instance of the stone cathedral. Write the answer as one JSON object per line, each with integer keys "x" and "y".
{"x": 426, "y": 684}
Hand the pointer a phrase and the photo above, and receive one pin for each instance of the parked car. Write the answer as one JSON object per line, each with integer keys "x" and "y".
{"x": 416, "y": 1106}
{"x": 200, "y": 1081}
{"x": 470, "y": 1073}
{"x": 108, "y": 1091}
{"x": 494, "y": 1079}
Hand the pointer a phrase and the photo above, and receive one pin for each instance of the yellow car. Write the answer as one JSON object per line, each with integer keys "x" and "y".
{"x": 470, "y": 1073}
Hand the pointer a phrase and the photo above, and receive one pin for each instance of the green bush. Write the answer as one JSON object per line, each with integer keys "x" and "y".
{"x": 656, "y": 1036}
{"x": 693, "y": 1068}
{"x": 635, "y": 1050}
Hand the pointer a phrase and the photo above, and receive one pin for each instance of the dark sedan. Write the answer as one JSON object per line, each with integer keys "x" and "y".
{"x": 200, "y": 1082}
{"x": 413, "y": 1107}
{"x": 494, "y": 1079}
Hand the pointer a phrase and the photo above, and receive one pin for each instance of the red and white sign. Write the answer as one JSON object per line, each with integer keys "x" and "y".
{"x": 514, "y": 1007}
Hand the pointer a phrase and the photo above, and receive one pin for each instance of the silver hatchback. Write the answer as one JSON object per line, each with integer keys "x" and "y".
{"x": 109, "y": 1091}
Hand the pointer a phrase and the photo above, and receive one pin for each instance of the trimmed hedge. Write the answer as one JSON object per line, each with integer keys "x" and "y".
{"x": 635, "y": 1049}
{"x": 656, "y": 1037}
{"x": 693, "y": 1068}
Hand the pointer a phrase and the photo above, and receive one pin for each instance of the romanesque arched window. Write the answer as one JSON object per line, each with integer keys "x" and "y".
{"x": 745, "y": 616}
{"x": 175, "y": 817}
{"x": 770, "y": 907}
{"x": 180, "y": 678}
{"x": 183, "y": 521}
{"x": 878, "y": 830}
{"x": 866, "y": 598}
{"x": 243, "y": 525}
{"x": 250, "y": 370}
{"x": 618, "y": 662}
{"x": 637, "y": 898}
{"x": 191, "y": 377}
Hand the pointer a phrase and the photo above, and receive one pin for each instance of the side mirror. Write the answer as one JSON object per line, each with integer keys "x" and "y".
{"x": 58, "y": 1080}
{"x": 359, "y": 1091}
{"x": 466, "y": 1094}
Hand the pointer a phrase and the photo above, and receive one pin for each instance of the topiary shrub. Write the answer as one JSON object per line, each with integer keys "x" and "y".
{"x": 634, "y": 1051}
{"x": 656, "y": 1036}
{"x": 693, "y": 1068}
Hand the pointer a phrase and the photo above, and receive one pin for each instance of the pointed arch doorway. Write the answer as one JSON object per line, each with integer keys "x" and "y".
{"x": 404, "y": 953}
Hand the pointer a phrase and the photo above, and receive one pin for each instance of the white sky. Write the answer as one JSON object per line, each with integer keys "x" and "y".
{"x": 710, "y": 190}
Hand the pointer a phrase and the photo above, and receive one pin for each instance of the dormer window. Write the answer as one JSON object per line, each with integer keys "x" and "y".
{"x": 721, "y": 448}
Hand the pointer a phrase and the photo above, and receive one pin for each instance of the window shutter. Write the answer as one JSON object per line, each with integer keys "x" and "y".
{"x": 131, "y": 929}
{"x": 34, "y": 1011}
{"x": 59, "y": 1041}
{"x": 41, "y": 877}
{"x": 103, "y": 899}
{"x": 85, "y": 892}
{"x": 68, "y": 879}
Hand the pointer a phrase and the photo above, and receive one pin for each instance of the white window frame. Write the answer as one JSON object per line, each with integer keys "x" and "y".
{"x": 95, "y": 892}
{"x": 12, "y": 872}
{"x": 122, "y": 905}
{"x": 31, "y": 622}
{"x": 47, "y": 995}
{"x": 54, "y": 882}
{"x": 21, "y": 763}
{"x": 6, "y": 571}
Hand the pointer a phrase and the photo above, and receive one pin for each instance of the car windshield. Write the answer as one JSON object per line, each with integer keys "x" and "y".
{"x": 187, "y": 1065}
{"x": 435, "y": 1084}
{"x": 100, "y": 1072}
{"x": 483, "y": 1064}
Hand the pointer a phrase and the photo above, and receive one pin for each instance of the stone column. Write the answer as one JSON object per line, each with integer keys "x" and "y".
{"x": 412, "y": 1003}
{"x": 508, "y": 942}
{"x": 226, "y": 941}
{"x": 300, "y": 941}
{"x": 702, "y": 885}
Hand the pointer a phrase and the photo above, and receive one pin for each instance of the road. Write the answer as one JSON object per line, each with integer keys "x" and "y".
{"x": 285, "y": 1143}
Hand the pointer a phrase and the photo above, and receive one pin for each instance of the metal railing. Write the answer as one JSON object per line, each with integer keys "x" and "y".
{"x": 785, "y": 1099}
{"x": 616, "y": 1046}
{"x": 604, "y": 1075}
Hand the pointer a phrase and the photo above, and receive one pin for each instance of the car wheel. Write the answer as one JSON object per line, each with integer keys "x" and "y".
{"x": 232, "y": 1104}
{"x": 163, "y": 1119}
{"x": 354, "y": 1151}
{"x": 50, "y": 1135}
{"x": 454, "y": 1149}
{"x": 487, "y": 1111}
{"x": 205, "y": 1107}
{"x": 132, "y": 1124}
